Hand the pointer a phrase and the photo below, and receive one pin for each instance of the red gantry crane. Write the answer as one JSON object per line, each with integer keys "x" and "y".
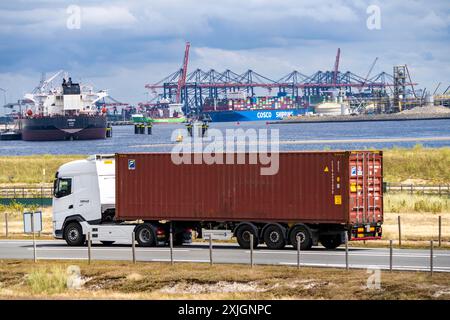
{"x": 182, "y": 80}
{"x": 336, "y": 66}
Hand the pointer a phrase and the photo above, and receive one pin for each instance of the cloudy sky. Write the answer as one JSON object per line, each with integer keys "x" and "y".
{"x": 122, "y": 45}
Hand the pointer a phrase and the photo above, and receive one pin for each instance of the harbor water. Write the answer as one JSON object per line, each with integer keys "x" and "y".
{"x": 303, "y": 136}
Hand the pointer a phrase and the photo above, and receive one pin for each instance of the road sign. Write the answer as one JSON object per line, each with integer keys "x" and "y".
{"x": 32, "y": 222}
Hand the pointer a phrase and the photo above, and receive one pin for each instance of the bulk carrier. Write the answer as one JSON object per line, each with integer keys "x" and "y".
{"x": 68, "y": 112}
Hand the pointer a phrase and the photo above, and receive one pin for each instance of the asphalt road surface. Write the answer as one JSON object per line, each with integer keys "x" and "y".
{"x": 403, "y": 259}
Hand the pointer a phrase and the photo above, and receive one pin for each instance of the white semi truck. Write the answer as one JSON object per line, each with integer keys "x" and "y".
{"x": 314, "y": 196}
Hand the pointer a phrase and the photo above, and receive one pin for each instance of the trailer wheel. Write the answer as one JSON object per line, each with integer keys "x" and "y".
{"x": 145, "y": 236}
{"x": 73, "y": 234}
{"x": 274, "y": 237}
{"x": 305, "y": 237}
{"x": 243, "y": 236}
{"x": 331, "y": 241}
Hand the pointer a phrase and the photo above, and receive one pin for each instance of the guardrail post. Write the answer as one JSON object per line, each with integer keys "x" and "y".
{"x": 133, "y": 246}
{"x": 89, "y": 247}
{"x": 171, "y": 246}
{"x": 346, "y": 251}
{"x": 251, "y": 250}
{"x": 440, "y": 230}
{"x": 390, "y": 255}
{"x": 298, "y": 252}
{"x": 6, "y": 225}
{"x": 431, "y": 257}
{"x": 210, "y": 250}
{"x": 399, "y": 232}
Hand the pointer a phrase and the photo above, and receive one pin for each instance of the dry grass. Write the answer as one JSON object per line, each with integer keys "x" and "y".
{"x": 406, "y": 203}
{"x": 121, "y": 280}
{"x": 47, "y": 280}
{"x": 427, "y": 165}
{"x": 418, "y": 164}
{"x": 29, "y": 169}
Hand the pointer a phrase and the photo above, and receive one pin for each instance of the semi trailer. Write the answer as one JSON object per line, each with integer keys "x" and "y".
{"x": 316, "y": 197}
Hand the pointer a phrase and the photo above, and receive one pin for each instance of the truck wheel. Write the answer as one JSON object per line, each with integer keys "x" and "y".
{"x": 305, "y": 237}
{"x": 331, "y": 241}
{"x": 243, "y": 237}
{"x": 73, "y": 234}
{"x": 274, "y": 237}
{"x": 145, "y": 236}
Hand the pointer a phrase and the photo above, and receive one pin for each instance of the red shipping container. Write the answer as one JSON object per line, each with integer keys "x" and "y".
{"x": 310, "y": 187}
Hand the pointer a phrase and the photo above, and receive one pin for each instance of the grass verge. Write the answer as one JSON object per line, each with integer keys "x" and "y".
{"x": 414, "y": 165}
{"x": 122, "y": 280}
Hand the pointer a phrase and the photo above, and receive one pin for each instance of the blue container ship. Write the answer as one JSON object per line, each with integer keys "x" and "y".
{"x": 254, "y": 115}
{"x": 262, "y": 108}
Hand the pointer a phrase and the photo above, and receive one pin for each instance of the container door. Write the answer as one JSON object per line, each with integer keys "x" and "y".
{"x": 366, "y": 187}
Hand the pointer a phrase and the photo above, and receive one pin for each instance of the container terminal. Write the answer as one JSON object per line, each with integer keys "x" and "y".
{"x": 251, "y": 96}
{"x": 324, "y": 96}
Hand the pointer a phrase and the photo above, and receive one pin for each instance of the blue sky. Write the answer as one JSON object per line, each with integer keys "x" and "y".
{"x": 122, "y": 45}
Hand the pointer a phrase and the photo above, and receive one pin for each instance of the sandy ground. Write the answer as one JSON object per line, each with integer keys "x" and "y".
{"x": 429, "y": 109}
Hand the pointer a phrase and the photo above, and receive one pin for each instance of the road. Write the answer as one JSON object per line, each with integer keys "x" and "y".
{"x": 403, "y": 259}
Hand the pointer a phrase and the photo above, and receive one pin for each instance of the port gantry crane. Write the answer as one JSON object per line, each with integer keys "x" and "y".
{"x": 192, "y": 89}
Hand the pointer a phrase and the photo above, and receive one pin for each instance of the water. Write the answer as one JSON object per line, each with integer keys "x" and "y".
{"x": 124, "y": 139}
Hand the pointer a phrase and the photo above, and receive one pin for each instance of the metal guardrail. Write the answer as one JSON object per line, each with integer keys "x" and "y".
{"x": 26, "y": 192}
{"x": 440, "y": 189}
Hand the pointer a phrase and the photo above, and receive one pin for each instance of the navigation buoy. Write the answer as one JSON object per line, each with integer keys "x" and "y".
{"x": 179, "y": 137}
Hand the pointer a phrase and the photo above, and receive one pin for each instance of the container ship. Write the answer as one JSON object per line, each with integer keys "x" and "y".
{"x": 67, "y": 112}
{"x": 239, "y": 109}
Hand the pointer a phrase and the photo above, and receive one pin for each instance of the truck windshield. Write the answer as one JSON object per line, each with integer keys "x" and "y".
{"x": 63, "y": 187}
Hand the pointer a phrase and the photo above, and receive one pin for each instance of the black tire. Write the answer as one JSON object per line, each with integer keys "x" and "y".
{"x": 243, "y": 236}
{"x": 73, "y": 234}
{"x": 305, "y": 237}
{"x": 331, "y": 241}
{"x": 146, "y": 236}
{"x": 274, "y": 237}
{"x": 107, "y": 243}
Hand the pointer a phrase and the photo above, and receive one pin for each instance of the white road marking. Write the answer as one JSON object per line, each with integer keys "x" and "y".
{"x": 108, "y": 249}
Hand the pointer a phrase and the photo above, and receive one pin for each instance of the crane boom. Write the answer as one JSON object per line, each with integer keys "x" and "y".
{"x": 336, "y": 66}
{"x": 368, "y": 74}
{"x": 182, "y": 79}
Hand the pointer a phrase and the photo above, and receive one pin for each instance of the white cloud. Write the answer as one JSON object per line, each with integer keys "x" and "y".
{"x": 110, "y": 16}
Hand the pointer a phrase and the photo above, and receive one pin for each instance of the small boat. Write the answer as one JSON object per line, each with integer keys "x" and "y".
{"x": 10, "y": 135}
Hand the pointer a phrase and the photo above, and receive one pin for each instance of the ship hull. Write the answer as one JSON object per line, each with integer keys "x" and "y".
{"x": 254, "y": 115}
{"x": 63, "y": 128}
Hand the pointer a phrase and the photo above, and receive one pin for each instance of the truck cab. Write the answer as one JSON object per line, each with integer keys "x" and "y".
{"x": 84, "y": 194}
